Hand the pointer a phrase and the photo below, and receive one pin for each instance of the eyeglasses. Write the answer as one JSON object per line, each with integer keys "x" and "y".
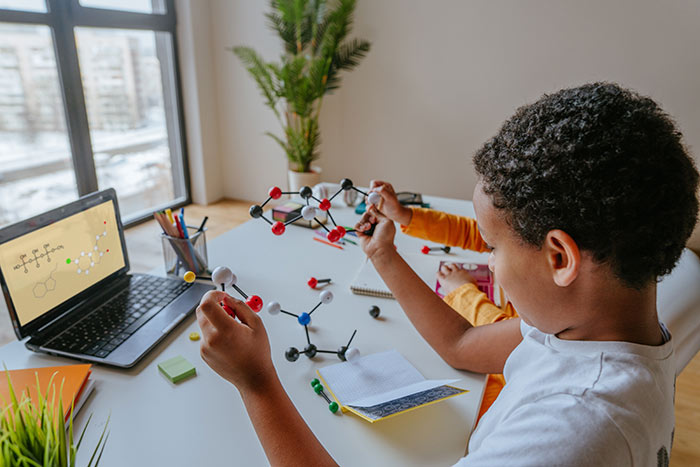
{"x": 410, "y": 198}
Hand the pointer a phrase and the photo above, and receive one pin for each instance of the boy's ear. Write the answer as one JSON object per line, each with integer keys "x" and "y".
{"x": 563, "y": 256}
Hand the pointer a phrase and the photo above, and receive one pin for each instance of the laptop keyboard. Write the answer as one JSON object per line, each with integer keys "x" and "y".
{"x": 103, "y": 330}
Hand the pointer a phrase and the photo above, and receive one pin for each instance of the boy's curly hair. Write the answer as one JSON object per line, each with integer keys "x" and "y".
{"x": 603, "y": 164}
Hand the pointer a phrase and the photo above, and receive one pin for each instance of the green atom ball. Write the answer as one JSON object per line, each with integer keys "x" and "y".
{"x": 68, "y": 261}
{"x": 333, "y": 407}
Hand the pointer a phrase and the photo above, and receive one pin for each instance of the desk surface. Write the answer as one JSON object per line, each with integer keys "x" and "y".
{"x": 203, "y": 421}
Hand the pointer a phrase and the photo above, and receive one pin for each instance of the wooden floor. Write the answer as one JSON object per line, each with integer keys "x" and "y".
{"x": 145, "y": 253}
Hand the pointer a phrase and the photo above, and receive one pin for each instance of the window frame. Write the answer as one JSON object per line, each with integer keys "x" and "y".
{"x": 62, "y": 17}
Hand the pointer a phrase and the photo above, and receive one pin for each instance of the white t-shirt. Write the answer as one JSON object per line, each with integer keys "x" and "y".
{"x": 579, "y": 403}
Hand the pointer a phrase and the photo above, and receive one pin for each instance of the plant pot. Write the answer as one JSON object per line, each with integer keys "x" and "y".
{"x": 300, "y": 179}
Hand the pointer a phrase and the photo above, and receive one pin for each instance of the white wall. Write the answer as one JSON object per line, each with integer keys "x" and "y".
{"x": 443, "y": 75}
{"x": 199, "y": 100}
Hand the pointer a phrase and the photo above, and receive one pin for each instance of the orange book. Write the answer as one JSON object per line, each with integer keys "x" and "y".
{"x": 73, "y": 377}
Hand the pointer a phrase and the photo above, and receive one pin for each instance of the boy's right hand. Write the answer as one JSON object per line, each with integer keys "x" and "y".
{"x": 238, "y": 351}
{"x": 390, "y": 205}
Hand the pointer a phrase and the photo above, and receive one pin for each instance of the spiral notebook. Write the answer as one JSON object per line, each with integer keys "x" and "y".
{"x": 369, "y": 282}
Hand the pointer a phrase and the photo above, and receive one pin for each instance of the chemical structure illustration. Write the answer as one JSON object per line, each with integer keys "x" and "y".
{"x": 88, "y": 259}
{"x": 36, "y": 256}
{"x": 309, "y": 212}
{"x": 42, "y": 288}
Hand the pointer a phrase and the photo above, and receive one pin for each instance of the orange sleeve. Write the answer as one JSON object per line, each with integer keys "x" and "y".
{"x": 475, "y": 306}
{"x": 447, "y": 229}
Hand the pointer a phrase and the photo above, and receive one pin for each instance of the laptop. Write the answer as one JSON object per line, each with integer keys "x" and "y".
{"x": 65, "y": 278}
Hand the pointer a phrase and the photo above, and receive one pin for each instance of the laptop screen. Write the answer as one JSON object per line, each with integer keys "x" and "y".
{"x": 44, "y": 268}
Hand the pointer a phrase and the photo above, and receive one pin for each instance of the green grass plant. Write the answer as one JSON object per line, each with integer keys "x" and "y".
{"x": 35, "y": 435}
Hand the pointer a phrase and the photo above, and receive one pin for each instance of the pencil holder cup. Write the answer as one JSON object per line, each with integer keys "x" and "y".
{"x": 185, "y": 254}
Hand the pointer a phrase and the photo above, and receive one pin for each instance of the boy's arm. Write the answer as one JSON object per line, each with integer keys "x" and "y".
{"x": 284, "y": 435}
{"x": 482, "y": 349}
{"x": 240, "y": 353}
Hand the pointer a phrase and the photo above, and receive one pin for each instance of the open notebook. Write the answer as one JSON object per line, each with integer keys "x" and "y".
{"x": 383, "y": 385}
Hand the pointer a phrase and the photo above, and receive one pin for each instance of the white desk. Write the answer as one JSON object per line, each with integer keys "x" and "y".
{"x": 202, "y": 421}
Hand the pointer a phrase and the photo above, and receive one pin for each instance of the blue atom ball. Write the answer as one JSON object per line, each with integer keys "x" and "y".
{"x": 304, "y": 319}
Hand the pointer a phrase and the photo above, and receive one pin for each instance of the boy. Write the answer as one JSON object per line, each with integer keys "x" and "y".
{"x": 585, "y": 198}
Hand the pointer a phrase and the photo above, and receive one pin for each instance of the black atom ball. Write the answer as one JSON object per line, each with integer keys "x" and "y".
{"x": 292, "y": 354}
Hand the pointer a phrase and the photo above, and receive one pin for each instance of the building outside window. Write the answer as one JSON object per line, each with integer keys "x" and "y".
{"x": 89, "y": 100}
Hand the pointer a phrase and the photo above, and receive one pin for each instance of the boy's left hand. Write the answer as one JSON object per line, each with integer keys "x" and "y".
{"x": 382, "y": 236}
{"x": 238, "y": 351}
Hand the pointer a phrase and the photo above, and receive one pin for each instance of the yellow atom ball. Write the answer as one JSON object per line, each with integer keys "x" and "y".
{"x": 189, "y": 276}
{"x": 194, "y": 336}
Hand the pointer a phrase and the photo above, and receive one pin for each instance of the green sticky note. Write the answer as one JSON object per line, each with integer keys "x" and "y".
{"x": 177, "y": 369}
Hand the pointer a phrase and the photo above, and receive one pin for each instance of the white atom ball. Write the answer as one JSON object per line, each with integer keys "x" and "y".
{"x": 326, "y": 296}
{"x": 222, "y": 275}
{"x": 352, "y": 354}
{"x": 374, "y": 198}
{"x": 308, "y": 212}
{"x": 274, "y": 308}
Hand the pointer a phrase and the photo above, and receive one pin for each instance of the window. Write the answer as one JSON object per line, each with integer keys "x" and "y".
{"x": 89, "y": 100}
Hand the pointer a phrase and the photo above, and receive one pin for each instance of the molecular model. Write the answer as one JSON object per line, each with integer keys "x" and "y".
{"x": 222, "y": 277}
{"x": 426, "y": 249}
{"x": 344, "y": 353}
{"x": 309, "y": 212}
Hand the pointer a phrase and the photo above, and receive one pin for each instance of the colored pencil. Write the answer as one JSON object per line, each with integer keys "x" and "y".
{"x": 328, "y": 243}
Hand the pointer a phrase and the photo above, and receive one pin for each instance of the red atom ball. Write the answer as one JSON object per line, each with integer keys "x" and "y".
{"x": 255, "y": 303}
{"x": 341, "y": 230}
{"x": 275, "y": 192}
{"x": 278, "y": 228}
{"x": 425, "y": 250}
{"x": 312, "y": 283}
{"x": 333, "y": 236}
{"x": 228, "y": 310}
{"x": 324, "y": 205}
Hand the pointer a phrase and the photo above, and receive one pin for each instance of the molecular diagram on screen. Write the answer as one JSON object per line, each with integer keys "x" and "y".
{"x": 40, "y": 289}
{"x": 310, "y": 212}
{"x": 223, "y": 277}
{"x": 89, "y": 258}
{"x": 37, "y": 255}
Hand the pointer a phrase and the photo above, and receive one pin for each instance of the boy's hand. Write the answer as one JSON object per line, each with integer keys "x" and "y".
{"x": 384, "y": 232}
{"x": 390, "y": 205}
{"x": 238, "y": 351}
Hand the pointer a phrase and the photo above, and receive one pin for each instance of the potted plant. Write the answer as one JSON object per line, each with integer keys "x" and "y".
{"x": 34, "y": 434}
{"x": 314, "y": 34}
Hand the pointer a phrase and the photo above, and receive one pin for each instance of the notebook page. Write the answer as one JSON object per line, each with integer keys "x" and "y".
{"x": 370, "y": 375}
